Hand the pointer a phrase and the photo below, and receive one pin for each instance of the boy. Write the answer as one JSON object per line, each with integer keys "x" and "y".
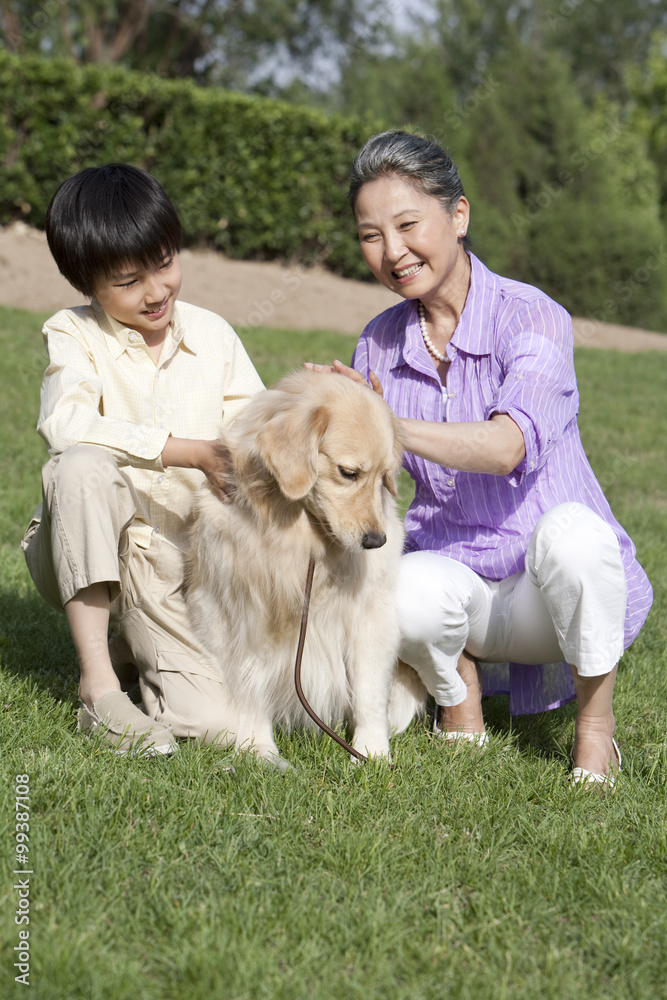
{"x": 137, "y": 388}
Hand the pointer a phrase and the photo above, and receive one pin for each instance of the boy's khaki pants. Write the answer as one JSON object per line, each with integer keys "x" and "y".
{"x": 79, "y": 536}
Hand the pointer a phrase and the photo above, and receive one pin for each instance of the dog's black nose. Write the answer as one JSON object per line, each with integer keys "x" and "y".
{"x": 373, "y": 540}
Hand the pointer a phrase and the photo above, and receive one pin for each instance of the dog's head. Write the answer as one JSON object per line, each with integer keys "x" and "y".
{"x": 333, "y": 446}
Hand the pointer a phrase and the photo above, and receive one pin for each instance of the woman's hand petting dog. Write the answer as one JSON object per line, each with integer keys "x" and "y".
{"x": 340, "y": 369}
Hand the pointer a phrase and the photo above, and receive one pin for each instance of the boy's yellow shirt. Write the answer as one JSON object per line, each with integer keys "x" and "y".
{"x": 103, "y": 387}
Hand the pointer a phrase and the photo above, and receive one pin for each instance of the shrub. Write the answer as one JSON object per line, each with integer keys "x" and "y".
{"x": 251, "y": 176}
{"x": 561, "y": 198}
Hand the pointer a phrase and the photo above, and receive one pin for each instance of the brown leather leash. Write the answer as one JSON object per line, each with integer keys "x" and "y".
{"x": 297, "y": 668}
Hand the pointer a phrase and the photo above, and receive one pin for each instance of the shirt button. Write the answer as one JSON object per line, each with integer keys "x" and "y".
{"x": 156, "y": 529}
{"x": 450, "y": 395}
{"x": 450, "y": 482}
{"x": 160, "y": 479}
{"x": 132, "y": 336}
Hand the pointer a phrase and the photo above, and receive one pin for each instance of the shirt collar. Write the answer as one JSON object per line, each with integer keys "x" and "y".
{"x": 474, "y": 330}
{"x": 119, "y": 337}
{"x": 411, "y": 349}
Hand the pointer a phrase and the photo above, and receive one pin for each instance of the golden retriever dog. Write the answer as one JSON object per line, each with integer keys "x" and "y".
{"x": 311, "y": 470}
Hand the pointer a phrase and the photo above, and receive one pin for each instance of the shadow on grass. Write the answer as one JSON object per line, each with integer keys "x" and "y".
{"x": 546, "y": 734}
{"x": 36, "y": 645}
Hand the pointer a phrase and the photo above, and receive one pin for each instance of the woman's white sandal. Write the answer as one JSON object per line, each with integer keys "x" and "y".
{"x": 479, "y": 739}
{"x": 580, "y": 776}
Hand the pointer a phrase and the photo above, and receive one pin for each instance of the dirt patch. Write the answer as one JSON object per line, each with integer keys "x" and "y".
{"x": 253, "y": 294}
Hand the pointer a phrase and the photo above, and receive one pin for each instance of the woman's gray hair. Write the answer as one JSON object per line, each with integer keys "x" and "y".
{"x": 419, "y": 161}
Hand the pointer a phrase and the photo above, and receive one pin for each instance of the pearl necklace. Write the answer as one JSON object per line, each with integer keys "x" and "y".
{"x": 427, "y": 340}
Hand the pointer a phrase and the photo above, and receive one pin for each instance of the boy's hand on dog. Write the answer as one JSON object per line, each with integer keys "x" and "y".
{"x": 215, "y": 463}
{"x": 210, "y": 457}
{"x": 351, "y": 373}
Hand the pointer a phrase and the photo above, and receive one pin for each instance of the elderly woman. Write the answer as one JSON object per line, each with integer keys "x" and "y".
{"x": 516, "y": 576}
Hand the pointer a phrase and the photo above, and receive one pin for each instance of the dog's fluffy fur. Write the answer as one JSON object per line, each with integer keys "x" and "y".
{"x": 312, "y": 468}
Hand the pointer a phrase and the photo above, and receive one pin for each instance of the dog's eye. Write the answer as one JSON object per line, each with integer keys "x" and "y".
{"x": 348, "y": 473}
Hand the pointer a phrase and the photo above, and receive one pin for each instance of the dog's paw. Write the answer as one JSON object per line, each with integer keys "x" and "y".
{"x": 377, "y": 758}
{"x": 373, "y": 749}
{"x": 275, "y": 762}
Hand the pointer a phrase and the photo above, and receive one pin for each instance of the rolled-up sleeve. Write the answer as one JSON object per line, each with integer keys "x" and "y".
{"x": 538, "y": 390}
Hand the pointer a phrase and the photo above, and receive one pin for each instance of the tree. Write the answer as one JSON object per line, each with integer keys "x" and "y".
{"x": 603, "y": 38}
{"x": 237, "y": 43}
{"x": 564, "y": 194}
{"x": 599, "y": 39}
{"x": 408, "y": 85}
{"x": 90, "y": 31}
{"x": 648, "y": 88}
{"x": 469, "y": 34}
{"x": 569, "y": 197}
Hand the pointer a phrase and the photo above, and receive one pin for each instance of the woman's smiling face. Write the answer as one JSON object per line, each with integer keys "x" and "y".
{"x": 410, "y": 243}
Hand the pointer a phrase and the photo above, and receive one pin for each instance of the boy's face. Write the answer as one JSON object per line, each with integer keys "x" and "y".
{"x": 142, "y": 299}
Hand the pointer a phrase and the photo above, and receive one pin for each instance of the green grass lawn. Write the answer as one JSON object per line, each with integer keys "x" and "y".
{"x": 457, "y": 874}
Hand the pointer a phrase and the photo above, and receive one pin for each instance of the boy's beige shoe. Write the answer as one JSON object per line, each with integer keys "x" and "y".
{"x": 125, "y": 727}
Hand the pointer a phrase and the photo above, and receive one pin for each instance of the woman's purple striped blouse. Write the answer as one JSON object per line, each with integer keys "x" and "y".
{"x": 512, "y": 352}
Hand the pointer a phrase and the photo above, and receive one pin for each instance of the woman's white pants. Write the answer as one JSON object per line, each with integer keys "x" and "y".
{"x": 568, "y": 604}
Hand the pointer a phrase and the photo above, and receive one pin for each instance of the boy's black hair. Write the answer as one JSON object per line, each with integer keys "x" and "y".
{"x": 105, "y": 218}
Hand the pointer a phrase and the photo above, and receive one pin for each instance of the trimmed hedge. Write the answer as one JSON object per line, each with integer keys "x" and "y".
{"x": 253, "y": 177}
{"x": 264, "y": 179}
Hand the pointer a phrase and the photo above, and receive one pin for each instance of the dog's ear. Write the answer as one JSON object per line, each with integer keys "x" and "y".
{"x": 389, "y": 478}
{"x": 389, "y": 482}
{"x": 288, "y": 445}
